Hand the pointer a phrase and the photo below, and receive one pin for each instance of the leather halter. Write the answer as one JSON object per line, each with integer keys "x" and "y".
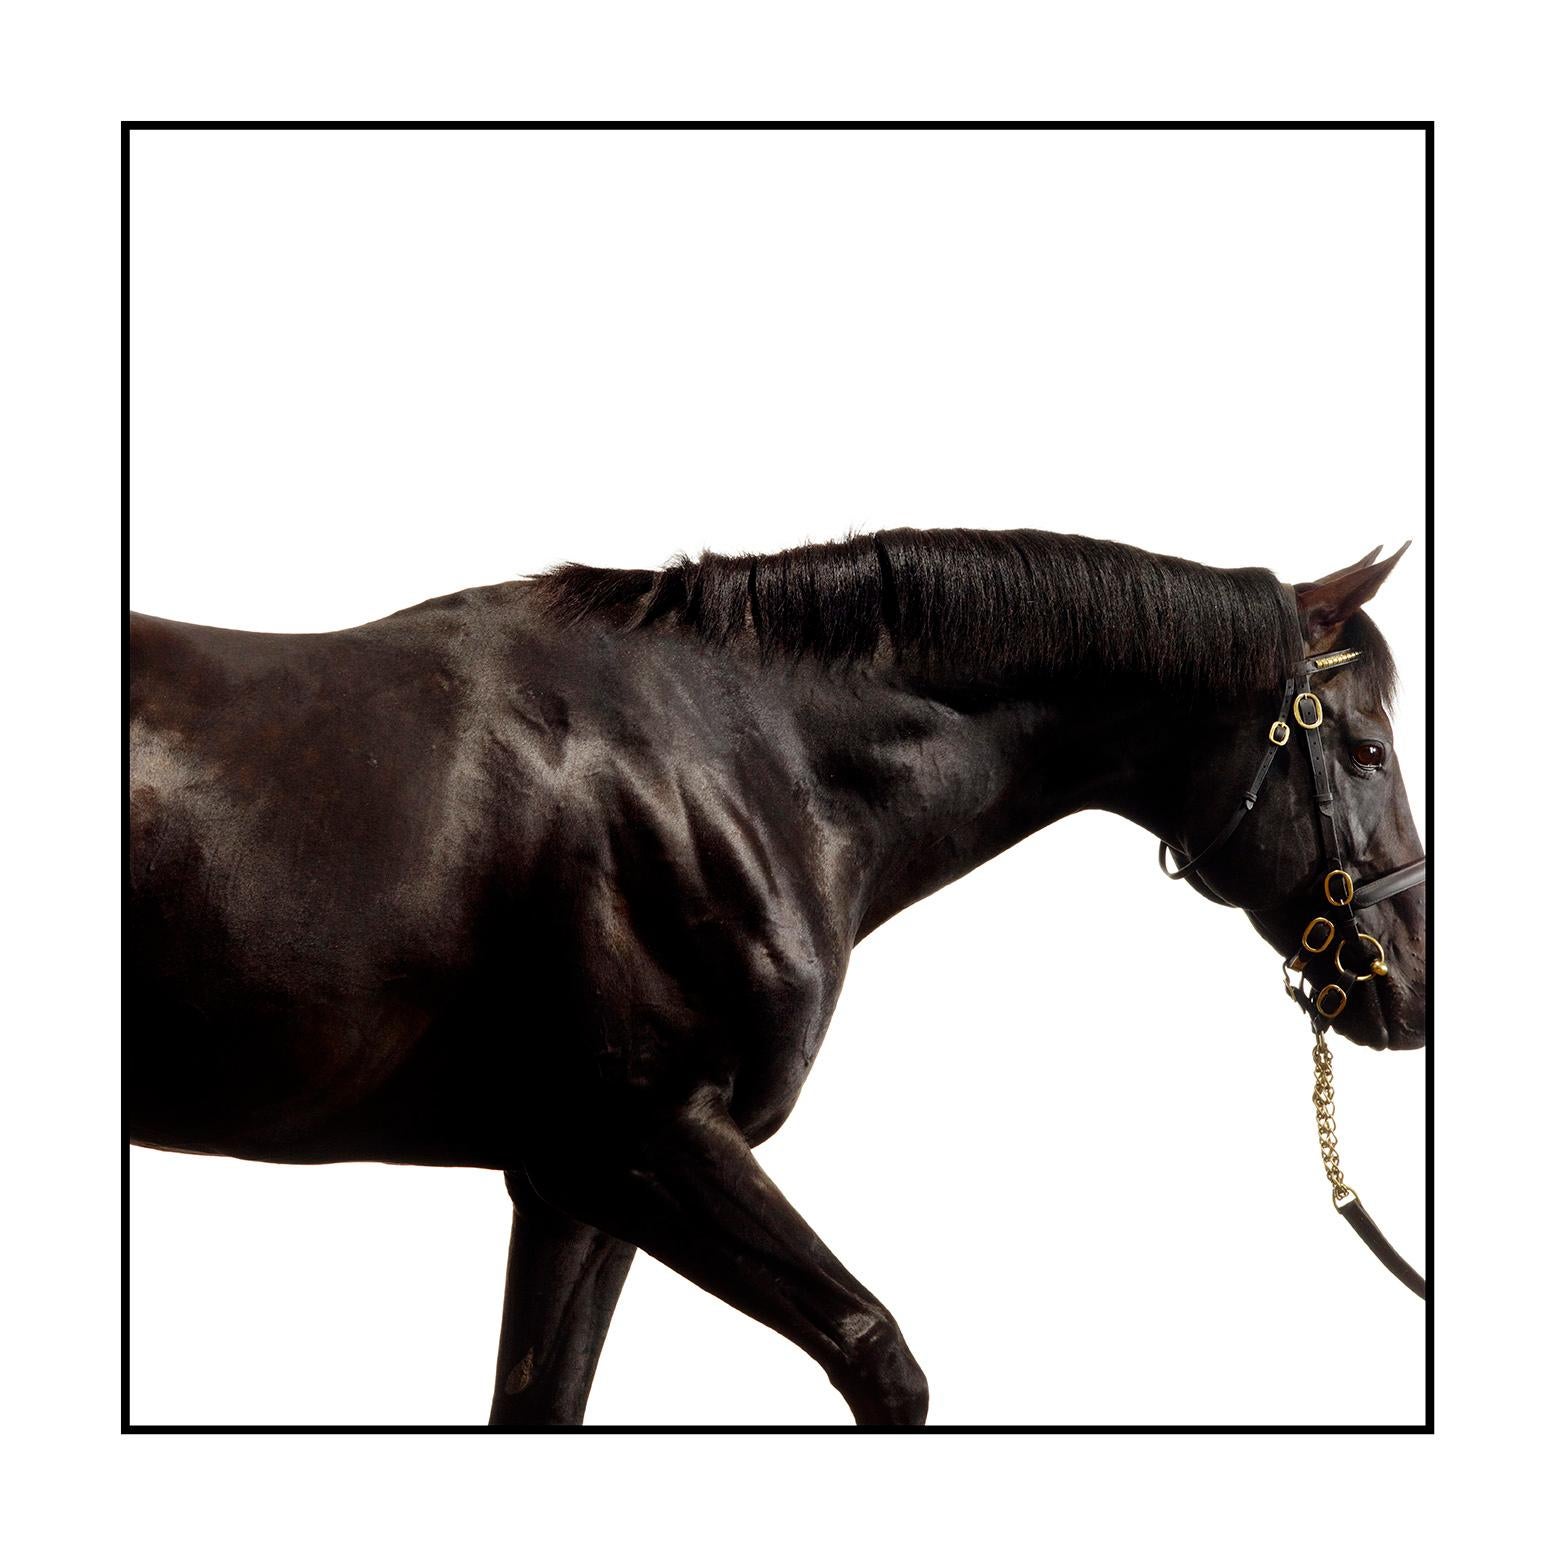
{"x": 1332, "y": 930}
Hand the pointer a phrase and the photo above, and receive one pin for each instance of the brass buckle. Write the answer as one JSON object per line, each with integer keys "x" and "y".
{"x": 1328, "y": 939}
{"x": 1348, "y": 888}
{"x": 1379, "y": 966}
{"x": 1338, "y": 1009}
{"x": 1295, "y": 708}
{"x": 1279, "y": 732}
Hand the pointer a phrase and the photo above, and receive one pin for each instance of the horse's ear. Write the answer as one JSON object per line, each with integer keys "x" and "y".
{"x": 1333, "y": 577}
{"x": 1329, "y": 602}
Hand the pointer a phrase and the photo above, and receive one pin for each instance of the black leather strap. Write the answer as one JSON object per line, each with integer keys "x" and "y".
{"x": 1249, "y": 798}
{"x": 1390, "y": 884}
{"x": 1388, "y": 1256}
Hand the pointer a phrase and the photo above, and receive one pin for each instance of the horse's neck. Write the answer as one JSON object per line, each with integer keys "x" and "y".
{"x": 943, "y": 791}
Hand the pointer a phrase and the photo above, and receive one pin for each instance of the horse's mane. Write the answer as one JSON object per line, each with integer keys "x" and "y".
{"x": 989, "y": 602}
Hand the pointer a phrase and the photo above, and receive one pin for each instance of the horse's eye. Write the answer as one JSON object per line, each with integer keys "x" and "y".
{"x": 1367, "y": 753}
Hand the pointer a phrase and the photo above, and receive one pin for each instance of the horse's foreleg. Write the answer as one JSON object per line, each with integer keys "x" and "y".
{"x": 562, "y": 1283}
{"x": 691, "y": 1193}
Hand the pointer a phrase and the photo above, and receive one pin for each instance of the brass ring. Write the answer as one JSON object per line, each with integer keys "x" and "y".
{"x": 1377, "y": 960}
{"x": 1279, "y": 732}
{"x": 1295, "y": 708}
{"x": 1328, "y": 939}
{"x": 1349, "y": 888}
{"x": 1338, "y": 1009}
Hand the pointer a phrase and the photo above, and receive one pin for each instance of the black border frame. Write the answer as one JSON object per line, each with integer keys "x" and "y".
{"x": 1427, "y": 128}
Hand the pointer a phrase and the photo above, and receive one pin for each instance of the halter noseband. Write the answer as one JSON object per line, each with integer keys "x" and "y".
{"x": 1331, "y": 930}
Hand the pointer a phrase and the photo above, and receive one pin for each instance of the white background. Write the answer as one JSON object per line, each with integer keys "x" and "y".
{"x": 369, "y": 368}
{"x": 70, "y": 73}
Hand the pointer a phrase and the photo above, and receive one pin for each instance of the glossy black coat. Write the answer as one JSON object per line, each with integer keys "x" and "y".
{"x": 474, "y": 886}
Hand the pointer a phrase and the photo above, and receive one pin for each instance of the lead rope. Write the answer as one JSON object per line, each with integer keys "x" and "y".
{"x": 1346, "y": 1200}
{"x": 1323, "y": 1101}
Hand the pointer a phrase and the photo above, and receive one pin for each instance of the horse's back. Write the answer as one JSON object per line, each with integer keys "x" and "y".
{"x": 308, "y": 854}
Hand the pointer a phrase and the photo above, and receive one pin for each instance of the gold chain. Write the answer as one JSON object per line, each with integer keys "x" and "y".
{"x": 1323, "y": 1101}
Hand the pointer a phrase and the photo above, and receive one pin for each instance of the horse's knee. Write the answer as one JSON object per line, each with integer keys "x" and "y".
{"x": 878, "y": 1376}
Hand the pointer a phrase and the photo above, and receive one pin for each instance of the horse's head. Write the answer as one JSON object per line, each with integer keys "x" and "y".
{"x": 1279, "y": 867}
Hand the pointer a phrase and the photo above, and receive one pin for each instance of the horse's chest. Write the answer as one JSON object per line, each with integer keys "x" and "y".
{"x": 679, "y": 990}
{"x": 788, "y": 1006}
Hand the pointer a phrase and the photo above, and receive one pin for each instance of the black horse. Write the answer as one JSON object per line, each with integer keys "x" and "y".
{"x": 561, "y": 877}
